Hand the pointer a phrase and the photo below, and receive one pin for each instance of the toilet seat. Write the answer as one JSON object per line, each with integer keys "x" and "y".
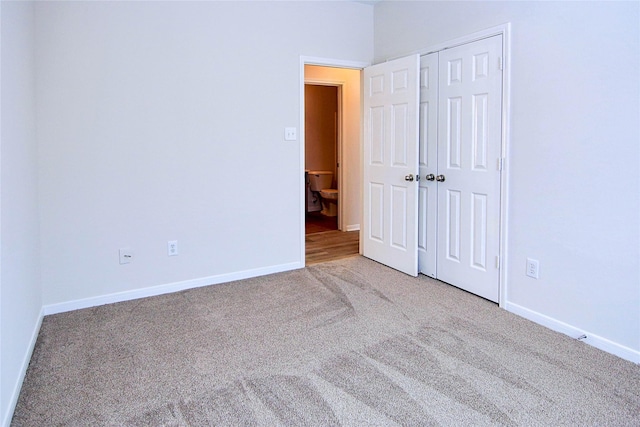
{"x": 329, "y": 193}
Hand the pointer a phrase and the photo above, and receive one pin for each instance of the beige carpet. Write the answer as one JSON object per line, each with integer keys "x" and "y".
{"x": 348, "y": 342}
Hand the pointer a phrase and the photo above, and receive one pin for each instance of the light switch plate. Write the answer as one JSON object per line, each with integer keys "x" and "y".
{"x": 126, "y": 255}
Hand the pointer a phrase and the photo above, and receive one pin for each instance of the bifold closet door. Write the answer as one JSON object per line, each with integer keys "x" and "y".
{"x": 390, "y": 166}
{"x": 469, "y": 163}
{"x": 428, "y": 163}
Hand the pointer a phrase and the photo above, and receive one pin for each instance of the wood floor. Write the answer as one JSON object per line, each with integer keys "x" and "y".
{"x": 331, "y": 245}
{"x": 324, "y": 242}
{"x": 315, "y": 222}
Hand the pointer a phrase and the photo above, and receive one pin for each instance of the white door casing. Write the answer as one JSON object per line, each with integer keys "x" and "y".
{"x": 469, "y": 159}
{"x": 428, "y": 164}
{"x": 390, "y": 164}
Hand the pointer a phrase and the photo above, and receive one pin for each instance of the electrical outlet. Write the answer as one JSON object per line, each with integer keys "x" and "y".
{"x": 290, "y": 134}
{"x": 126, "y": 256}
{"x": 533, "y": 267}
{"x": 172, "y": 247}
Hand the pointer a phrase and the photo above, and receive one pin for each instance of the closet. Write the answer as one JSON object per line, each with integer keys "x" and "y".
{"x": 433, "y": 162}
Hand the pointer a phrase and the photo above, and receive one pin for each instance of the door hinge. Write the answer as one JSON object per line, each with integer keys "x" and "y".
{"x": 498, "y": 261}
{"x": 501, "y": 162}
{"x": 500, "y": 63}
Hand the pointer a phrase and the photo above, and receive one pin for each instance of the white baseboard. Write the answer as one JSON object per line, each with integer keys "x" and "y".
{"x": 353, "y": 227}
{"x": 564, "y": 328}
{"x": 167, "y": 288}
{"x": 13, "y": 400}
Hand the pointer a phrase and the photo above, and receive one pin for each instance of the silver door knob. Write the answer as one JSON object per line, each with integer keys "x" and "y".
{"x": 440, "y": 178}
{"x": 430, "y": 177}
{"x": 409, "y": 177}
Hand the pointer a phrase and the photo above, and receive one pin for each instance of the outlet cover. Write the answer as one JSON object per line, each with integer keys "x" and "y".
{"x": 290, "y": 134}
{"x": 533, "y": 267}
{"x": 172, "y": 247}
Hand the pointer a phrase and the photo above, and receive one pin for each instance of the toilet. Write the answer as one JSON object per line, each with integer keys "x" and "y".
{"x": 329, "y": 198}
{"x": 320, "y": 183}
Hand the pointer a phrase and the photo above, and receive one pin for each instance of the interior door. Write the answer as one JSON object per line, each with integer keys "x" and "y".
{"x": 469, "y": 163}
{"x": 390, "y": 191}
{"x": 428, "y": 163}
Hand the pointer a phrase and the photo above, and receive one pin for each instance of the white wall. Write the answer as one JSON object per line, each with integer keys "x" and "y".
{"x": 574, "y": 159}
{"x": 351, "y": 107}
{"x": 20, "y": 292}
{"x": 165, "y": 121}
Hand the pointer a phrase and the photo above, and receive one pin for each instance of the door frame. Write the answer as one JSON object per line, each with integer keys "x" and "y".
{"x": 505, "y": 31}
{"x": 322, "y": 62}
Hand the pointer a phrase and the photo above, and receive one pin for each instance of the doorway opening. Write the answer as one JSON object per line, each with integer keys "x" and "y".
{"x": 322, "y": 129}
{"x": 332, "y": 144}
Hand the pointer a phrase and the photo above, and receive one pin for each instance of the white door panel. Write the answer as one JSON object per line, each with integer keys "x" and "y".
{"x": 390, "y": 221}
{"x": 428, "y": 164}
{"x": 469, "y": 149}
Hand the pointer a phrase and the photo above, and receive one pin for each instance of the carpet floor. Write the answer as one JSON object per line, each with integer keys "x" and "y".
{"x": 348, "y": 342}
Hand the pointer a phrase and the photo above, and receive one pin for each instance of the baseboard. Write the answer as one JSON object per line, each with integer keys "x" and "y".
{"x": 167, "y": 288}
{"x": 353, "y": 227}
{"x": 564, "y": 328}
{"x": 13, "y": 400}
